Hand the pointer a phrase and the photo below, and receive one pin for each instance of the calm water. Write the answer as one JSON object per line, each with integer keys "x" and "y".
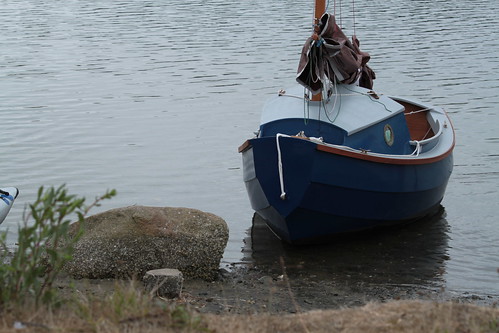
{"x": 153, "y": 98}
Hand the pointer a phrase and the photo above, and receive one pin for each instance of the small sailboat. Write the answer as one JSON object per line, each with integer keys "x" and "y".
{"x": 7, "y": 197}
{"x": 333, "y": 156}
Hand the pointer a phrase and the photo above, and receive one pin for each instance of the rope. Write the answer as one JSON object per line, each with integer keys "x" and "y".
{"x": 418, "y": 111}
{"x": 339, "y": 95}
{"x": 417, "y": 150}
{"x": 279, "y": 165}
{"x": 332, "y": 86}
{"x": 306, "y": 106}
{"x": 336, "y": 98}
{"x": 427, "y": 132}
{"x": 354, "y": 93}
{"x": 294, "y": 96}
{"x": 371, "y": 97}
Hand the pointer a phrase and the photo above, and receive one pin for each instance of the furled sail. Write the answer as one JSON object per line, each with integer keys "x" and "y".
{"x": 332, "y": 56}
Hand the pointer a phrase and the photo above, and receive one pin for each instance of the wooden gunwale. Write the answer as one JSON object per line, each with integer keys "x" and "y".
{"x": 367, "y": 156}
{"x": 382, "y": 159}
{"x": 246, "y": 145}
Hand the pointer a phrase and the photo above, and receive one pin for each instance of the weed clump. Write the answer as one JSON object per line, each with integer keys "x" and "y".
{"x": 43, "y": 247}
{"x": 29, "y": 297}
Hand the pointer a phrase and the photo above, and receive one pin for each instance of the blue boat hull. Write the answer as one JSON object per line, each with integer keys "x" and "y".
{"x": 328, "y": 194}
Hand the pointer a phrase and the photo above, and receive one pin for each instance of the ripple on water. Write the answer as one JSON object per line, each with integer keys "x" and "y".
{"x": 153, "y": 99}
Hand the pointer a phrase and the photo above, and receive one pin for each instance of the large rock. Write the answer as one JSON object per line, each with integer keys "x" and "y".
{"x": 127, "y": 242}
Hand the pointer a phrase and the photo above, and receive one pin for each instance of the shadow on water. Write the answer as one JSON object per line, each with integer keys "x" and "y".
{"x": 410, "y": 255}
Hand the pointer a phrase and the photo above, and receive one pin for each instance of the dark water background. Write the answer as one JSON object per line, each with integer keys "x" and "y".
{"x": 153, "y": 98}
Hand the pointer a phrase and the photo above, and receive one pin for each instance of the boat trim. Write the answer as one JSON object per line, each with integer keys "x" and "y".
{"x": 366, "y": 155}
{"x": 382, "y": 158}
{"x": 244, "y": 146}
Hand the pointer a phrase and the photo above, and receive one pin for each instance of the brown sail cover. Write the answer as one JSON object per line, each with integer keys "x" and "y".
{"x": 333, "y": 57}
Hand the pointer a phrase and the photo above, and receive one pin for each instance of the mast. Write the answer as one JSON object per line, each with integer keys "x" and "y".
{"x": 320, "y": 9}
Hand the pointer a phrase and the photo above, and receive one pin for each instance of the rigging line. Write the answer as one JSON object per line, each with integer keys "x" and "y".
{"x": 306, "y": 106}
{"x": 427, "y": 132}
{"x": 337, "y": 98}
{"x": 353, "y": 13}
{"x": 355, "y": 94}
{"x": 294, "y": 96}
{"x": 372, "y": 98}
{"x": 375, "y": 100}
{"x": 341, "y": 16}
{"x": 418, "y": 111}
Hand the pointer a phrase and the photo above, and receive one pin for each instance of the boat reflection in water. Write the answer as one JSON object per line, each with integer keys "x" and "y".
{"x": 410, "y": 255}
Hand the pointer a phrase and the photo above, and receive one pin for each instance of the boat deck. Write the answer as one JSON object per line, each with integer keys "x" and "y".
{"x": 350, "y": 107}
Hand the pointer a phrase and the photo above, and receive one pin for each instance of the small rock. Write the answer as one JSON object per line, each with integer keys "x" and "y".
{"x": 265, "y": 280}
{"x": 164, "y": 282}
{"x": 223, "y": 273}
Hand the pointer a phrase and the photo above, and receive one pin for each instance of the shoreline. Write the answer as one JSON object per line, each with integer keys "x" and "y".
{"x": 251, "y": 291}
{"x": 273, "y": 278}
{"x": 248, "y": 300}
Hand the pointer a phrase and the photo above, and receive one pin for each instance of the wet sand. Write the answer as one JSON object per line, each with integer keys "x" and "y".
{"x": 404, "y": 264}
{"x": 251, "y": 291}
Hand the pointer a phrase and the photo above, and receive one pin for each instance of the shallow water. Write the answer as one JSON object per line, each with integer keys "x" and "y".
{"x": 153, "y": 99}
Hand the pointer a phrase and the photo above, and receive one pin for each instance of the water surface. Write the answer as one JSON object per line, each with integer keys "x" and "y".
{"x": 153, "y": 98}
